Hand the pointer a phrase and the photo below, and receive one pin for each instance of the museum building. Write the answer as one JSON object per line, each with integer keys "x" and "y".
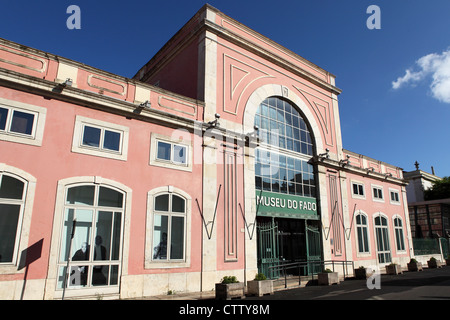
{"x": 222, "y": 156}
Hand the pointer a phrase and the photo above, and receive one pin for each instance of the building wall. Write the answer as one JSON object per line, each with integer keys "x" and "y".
{"x": 231, "y": 69}
{"x": 54, "y": 159}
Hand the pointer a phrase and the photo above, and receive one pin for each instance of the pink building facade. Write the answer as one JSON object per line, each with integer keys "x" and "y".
{"x": 177, "y": 177}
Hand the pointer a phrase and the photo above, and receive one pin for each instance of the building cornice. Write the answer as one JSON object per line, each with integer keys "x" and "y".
{"x": 186, "y": 34}
{"x": 340, "y": 166}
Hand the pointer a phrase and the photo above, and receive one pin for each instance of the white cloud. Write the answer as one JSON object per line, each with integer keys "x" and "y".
{"x": 435, "y": 65}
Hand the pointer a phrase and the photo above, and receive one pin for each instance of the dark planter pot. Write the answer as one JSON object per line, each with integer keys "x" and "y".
{"x": 328, "y": 278}
{"x": 394, "y": 269}
{"x": 415, "y": 266}
{"x": 363, "y": 273}
{"x": 434, "y": 264}
{"x": 230, "y": 291}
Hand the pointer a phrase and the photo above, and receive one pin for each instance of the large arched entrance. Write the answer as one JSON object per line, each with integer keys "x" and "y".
{"x": 288, "y": 223}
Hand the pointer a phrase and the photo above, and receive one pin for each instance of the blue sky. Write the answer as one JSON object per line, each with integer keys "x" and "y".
{"x": 395, "y": 104}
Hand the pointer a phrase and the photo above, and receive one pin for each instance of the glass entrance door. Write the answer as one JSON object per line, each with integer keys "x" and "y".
{"x": 92, "y": 259}
{"x": 382, "y": 235}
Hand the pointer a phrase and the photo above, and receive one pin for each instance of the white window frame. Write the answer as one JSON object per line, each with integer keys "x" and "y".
{"x": 78, "y": 146}
{"x": 366, "y": 227}
{"x": 395, "y": 202}
{"x": 63, "y": 185}
{"x": 373, "y": 186}
{"x": 396, "y": 229}
{"x": 358, "y": 196}
{"x": 384, "y": 236}
{"x": 155, "y": 161}
{"x": 151, "y": 263}
{"x": 37, "y": 134}
{"x": 23, "y": 226}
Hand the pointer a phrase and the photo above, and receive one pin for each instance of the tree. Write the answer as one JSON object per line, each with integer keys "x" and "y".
{"x": 439, "y": 190}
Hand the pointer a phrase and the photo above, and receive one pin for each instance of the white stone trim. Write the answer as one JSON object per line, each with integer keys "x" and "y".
{"x": 174, "y": 139}
{"x": 50, "y": 288}
{"x": 35, "y": 139}
{"x": 149, "y": 262}
{"x": 24, "y": 224}
{"x": 77, "y": 146}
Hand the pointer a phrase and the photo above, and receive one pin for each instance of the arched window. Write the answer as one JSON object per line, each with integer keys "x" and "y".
{"x": 282, "y": 162}
{"x": 95, "y": 249}
{"x": 12, "y": 199}
{"x": 169, "y": 225}
{"x": 281, "y": 125}
{"x": 382, "y": 235}
{"x": 398, "y": 229}
{"x": 362, "y": 233}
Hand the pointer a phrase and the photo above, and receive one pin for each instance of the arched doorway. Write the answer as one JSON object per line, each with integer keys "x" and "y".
{"x": 285, "y": 184}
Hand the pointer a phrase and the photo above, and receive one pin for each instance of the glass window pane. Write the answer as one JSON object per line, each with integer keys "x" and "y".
{"x": 163, "y": 151}
{"x": 114, "y": 275}
{"x": 162, "y": 202}
{"x": 360, "y": 240}
{"x": 110, "y": 198}
{"x": 81, "y": 195}
{"x": 22, "y": 122}
{"x": 177, "y": 238}
{"x": 102, "y": 242}
{"x": 9, "y": 218}
{"x": 91, "y": 136}
{"x": 179, "y": 154}
{"x": 3, "y": 116}
{"x": 100, "y": 275}
{"x": 160, "y": 228}
{"x": 115, "y": 246}
{"x": 177, "y": 204}
{"x": 11, "y": 188}
{"x": 82, "y": 237}
{"x": 258, "y": 183}
{"x": 366, "y": 240}
{"x": 112, "y": 140}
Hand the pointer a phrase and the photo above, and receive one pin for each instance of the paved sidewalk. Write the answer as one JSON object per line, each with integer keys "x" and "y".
{"x": 429, "y": 284}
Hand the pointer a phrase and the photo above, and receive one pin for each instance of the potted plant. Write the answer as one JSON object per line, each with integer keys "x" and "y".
{"x": 328, "y": 277}
{"x": 363, "y": 272}
{"x": 413, "y": 265}
{"x": 393, "y": 268}
{"x": 229, "y": 288}
{"x": 434, "y": 263}
{"x": 260, "y": 285}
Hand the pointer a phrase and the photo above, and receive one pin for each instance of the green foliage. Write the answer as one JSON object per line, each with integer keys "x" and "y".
{"x": 229, "y": 279}
{"x": 260, "y": 277}
{"x": 327, "y": 271}
{"x": 439, "y": 190}
{"x": 413, "y": 260}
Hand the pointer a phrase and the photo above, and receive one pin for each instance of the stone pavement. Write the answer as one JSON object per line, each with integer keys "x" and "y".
{"x": 430, "y": 284}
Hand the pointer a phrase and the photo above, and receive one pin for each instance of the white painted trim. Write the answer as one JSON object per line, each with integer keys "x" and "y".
{"x": 25, "y": 219}
{"x": 149, "y": 262}
{"x": 35, "y": 139}
{"x": 51, "y": 282}
{"x": 78, "y": 136}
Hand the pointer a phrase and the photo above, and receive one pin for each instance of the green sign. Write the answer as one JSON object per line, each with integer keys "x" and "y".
{"x": 272, "y": 204}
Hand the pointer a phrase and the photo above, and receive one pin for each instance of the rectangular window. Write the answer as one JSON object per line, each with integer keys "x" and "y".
{"x": 3, "y": 117}
{"x": 164, "y": 151}
{"x": 17, "y": 121}
{"x": 174, "y": 153}
{"x": 22, "y": 122}
{"x": 358, "y": 189}
{"x": 377, "y": 193}
{"x": 99, "y": 138}
{"x": 395, "y": 197}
